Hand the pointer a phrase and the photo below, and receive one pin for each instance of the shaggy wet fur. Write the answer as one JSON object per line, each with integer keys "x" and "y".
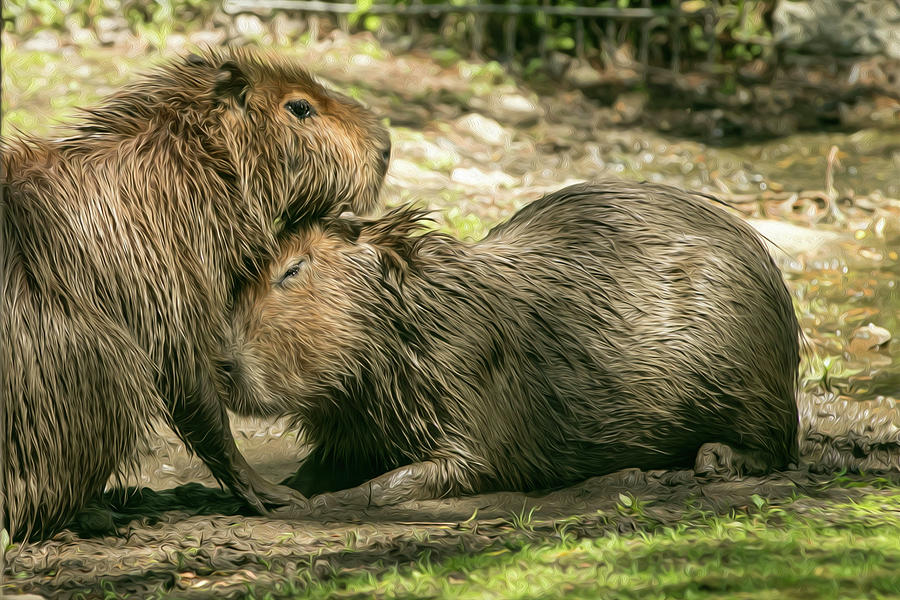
{"x": 604, "y": 326}
{"x": 122, "y": 243}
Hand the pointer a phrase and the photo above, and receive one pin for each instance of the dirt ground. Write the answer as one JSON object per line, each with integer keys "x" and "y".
{"x": 182, "y": 536}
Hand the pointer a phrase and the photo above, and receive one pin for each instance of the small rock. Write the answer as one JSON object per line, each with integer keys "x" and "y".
{"x": 286, "y": 29}
{"x": 792, "y": 239}
{"x": 249, "y": 26}
{"x": 110, "y": 29}
{"x": 176, "y": 42}
{"x": 212, "y": 38}
{"x": 406, "y": 173}
{"x": 43, "y": 41}
{"x": 484, "y": 129}
{"x": 867, "y": 338}
{"x": 433, "y": 155}
{"x": 630, "y": 106}
{"x": 515, "y": 109}
{"x": 582, "y": 75}
{"x": 79, "y": 35}
{"x": 558, "y": 63}
{"x": 476, "y": 178}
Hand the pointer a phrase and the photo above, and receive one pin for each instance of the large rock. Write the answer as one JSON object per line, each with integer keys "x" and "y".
{"x": 791, "y": 245}
{"x": 484, "y": 180}
{"x": 407, "y": 174}
{"x": 839, "y": 27}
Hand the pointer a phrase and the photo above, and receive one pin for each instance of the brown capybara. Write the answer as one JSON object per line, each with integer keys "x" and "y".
{"x": 604, "y": 326}
{"x": 122, "y": 244}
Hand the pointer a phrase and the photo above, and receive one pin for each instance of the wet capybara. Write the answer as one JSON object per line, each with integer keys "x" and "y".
{"x": 604, "y": 326}
{"x": 123, "y": 241}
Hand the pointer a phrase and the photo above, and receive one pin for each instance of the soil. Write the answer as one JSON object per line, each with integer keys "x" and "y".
{"x": 193, "y": 540}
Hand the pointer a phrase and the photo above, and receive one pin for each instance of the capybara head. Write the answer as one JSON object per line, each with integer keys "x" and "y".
{"x": 276, "y": 135}
{"x": 304, "y": 325}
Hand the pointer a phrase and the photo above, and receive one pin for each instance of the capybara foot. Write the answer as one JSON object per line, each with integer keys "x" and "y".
{"x": 263, "y": 495}
{"x": 721, "y": 461}
{"x": 359, "y": 497}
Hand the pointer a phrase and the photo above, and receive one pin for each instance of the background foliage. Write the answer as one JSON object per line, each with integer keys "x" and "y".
{"x": 742, "y": 27}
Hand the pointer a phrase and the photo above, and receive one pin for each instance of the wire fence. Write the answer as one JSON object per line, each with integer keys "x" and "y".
{"x": 606, "y": 26}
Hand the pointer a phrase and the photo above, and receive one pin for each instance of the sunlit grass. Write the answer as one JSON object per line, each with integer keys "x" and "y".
{"x": 846, "y": 551}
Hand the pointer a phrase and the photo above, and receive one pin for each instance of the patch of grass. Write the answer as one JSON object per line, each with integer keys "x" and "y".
{"x": 838, "y": 552}
{"x": 523, "y": 520}
{"x": 843, "y": 480}
{"x": 465, "y": 226}
{"x": 446, "y": 57}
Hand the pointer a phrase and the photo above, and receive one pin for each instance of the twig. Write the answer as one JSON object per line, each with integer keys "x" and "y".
{"x": 830, "y": 163}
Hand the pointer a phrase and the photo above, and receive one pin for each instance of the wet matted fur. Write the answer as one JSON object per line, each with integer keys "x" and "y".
{"x": 604, "y": 326}
{"x": 122, "y": 244}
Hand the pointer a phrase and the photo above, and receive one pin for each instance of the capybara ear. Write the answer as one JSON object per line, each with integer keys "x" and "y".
{"x": 232, "y": 83}
{"x": 395, "y": 231}
{"x": 395, "y": 237}
{"x": 348, "y": 226}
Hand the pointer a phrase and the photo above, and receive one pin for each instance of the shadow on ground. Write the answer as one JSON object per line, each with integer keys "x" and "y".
{"x": 195, "y": 541}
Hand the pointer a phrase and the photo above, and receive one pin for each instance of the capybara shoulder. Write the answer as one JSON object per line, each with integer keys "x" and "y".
{"x": 604, "y": 326}
{"x": 123, "y": 241}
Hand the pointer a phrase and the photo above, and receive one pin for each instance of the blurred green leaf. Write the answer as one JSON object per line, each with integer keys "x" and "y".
{"x": 692, "y": 6}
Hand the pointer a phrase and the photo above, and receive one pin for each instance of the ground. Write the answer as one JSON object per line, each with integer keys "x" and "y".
{"x": 474, "y": 144}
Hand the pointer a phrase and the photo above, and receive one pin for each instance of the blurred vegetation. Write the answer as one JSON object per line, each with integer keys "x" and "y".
{"x": 29, "y": 16}
{"x": 741, "y": 27}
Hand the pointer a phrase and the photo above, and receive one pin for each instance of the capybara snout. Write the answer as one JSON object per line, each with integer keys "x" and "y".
{"x": 604, "y": 326}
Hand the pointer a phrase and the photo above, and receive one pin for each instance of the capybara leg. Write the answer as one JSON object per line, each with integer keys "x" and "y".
{"x": 317, "y": 476}
{"x": 721, "y": 461}
{"x": 203, "y": 424}
{"x": 94, "y": 520}
{"x": 418, "y": 481}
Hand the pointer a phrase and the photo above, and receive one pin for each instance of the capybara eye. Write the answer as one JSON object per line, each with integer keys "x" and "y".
{"x": 292, "y": 271}
{"x": 301, "y": 108}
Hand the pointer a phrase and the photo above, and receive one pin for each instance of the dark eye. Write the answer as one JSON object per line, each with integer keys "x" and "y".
{"x": 302, "y": 109}
{"x": 292, "y": 271}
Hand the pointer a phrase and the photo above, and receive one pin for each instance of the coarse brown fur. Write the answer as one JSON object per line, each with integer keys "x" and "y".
{"x": 604, "y": 326}
{"x": 122, "y": 244}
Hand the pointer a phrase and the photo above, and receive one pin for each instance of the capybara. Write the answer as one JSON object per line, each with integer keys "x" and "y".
{"x": 604, "y": 326}
{"x": 123, "y": 242}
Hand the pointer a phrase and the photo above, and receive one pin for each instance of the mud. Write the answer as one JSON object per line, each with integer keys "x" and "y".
{"x": 194, "y": 540}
